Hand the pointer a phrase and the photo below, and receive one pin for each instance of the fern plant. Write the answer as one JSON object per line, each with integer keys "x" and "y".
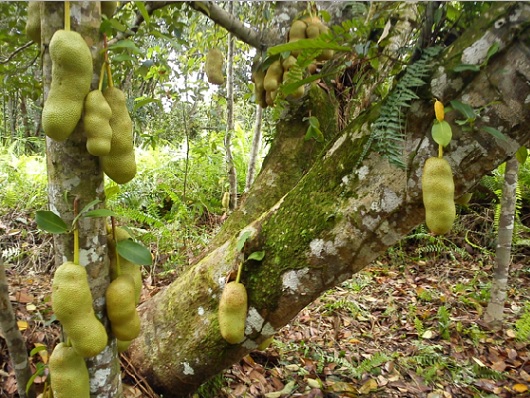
{"x": 522, "y": 325}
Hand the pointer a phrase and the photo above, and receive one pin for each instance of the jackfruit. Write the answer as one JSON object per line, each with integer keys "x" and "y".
{"x": 233, "y": 312}
{"x": 96, "y": 121}
{"x": 33, "y": 30}
{"x": 123, "y": 345}
{"x": 297, "y": 32}
{"x": 121, "y": 309}
{"x": 71, "y": 78}
{"x": 259, "y": 90}
{"x": 119, "y": 168}
{"x": 273, "y": 77}
{"x": 214, "y": 66}
{"x": 72, "y": 304}
{"x": 108, "y": 8}
{"x": 438, "y": 195}
{"x": 69, "y": 374}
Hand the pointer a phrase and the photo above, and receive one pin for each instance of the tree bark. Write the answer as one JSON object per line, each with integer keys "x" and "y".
{"x": 495, "y": 310}
{"x": 254, "y": 151}
{"x": 73, "y": 174}
{"x": 333, "y": 218}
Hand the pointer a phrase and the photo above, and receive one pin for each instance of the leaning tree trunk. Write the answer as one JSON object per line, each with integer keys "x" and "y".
{"x": 75, "y": 175}
{"x": 495, "y": 311}
{"x": 337, "y": 216}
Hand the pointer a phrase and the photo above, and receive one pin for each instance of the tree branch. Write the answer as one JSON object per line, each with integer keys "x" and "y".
{"x": 10, "y": 57}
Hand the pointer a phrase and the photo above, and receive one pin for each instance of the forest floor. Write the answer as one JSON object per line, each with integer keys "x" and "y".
{"x": 408, "y": 325}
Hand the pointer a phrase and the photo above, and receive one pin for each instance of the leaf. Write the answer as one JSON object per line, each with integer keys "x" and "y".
{"x": 50, "y": 222}
{"x": 494, "y": 132}
{"x": 134, "y": 252}
{"x": 258, "y": 256}
{"x": 117, "y": 25}
{"x": 143, "y": 11}
{"x": 314, "y": 132}
{"x": 464, "y": 67}
{"x": 494, "y": 49}
{"x": 305, "y": 44}
{"x": 126, "y": 44}
{"x": 520, "y": 388}
{"x": 466, "y": 110}
{"x": 101, "y": 213}
{"x": 521, "y": 155}
{"x": 441, "y": 133}
{"x": 242, "y": 239}
{"x": 141, "y": 101}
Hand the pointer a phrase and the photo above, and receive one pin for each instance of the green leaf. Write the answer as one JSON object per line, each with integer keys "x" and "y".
{"x": 304, "y": 44}
{"x": 465, "y": 67}
{"x": 494, "y": 132}
{"x": 117, "y": 25}
{"x": 464, "y": 109}
{"x": 442, "y": 133}
{"x": 50, "y": 222}
{"x": 258, "y": 256}
{"x": 134, "y": 252}
{"x": 101, "y": 213}
{"x": 494, "y": 49}
{"x": 37, "y": 349}
{"x": 521, "y": 154}
{"x": 314, "y": 132}
{"x": 141, "y": 101}
{"x": 126, "y": 44}
{"x": 242, "y": 239}
{"x": 143, "y": 11}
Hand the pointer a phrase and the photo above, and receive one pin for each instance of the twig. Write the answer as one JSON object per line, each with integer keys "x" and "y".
{"x": 16, "y": 52}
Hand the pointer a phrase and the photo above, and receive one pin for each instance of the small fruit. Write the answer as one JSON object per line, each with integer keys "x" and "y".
{"x": 33, "y": 30}
{"x": 108, "y": 8}
{"x": 438, "y": 195}
{"x": 439, "y": 110}
{"x": 273, "y": 77}
{"x": 96, "y": 121}
{"x": 297, "y": 32}
{"x": 214, "y": 66}
{"x": 233, "y": 312}
{"x": 121, "y": 308}
{"x": 69, "y": 374}
{"x": 119, "y": 168}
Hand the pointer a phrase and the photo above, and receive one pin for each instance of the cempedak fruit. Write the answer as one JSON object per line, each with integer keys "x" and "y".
{"x": 72, "y": 304}
{"x": 108, "y": 8}
{"x": 119, "y": 168}
{"x": 214, "y": 66}
{"x": 273, "y": 77}
{"x": 121, "y": 308}
{"x": 71, "y": 78}
{"x": 33, "y": 30}
{"x": 233, "y": 312}
{"x": 96, "y": 121}
{"x": 438, "y": 195}
{"x": 69, "y": 374}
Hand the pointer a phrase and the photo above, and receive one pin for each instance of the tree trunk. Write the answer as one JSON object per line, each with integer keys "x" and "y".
{"x": 73, "y": 174}
{"x": 495, "y": 311}
{"x": 254, "y": 151}
{"x": 327, "y": 219}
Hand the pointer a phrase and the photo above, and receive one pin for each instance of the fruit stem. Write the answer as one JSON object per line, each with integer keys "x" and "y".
{"x": 101, "y": 76}
{"x": 440, "y": 151}
{"x": 76, "y": 233}
{"x": 239, "y": 270}
{"x": 118, "y": 269}
{"x": 67, "y": 15}
{"x": 107, "y": 63}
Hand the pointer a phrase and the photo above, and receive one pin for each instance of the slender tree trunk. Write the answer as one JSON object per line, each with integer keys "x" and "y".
{"x": 256, "y": 143}
{"x": 495, "y": 311}
{"x": 16, "y": 344}
{"x": 73, "y": 174}
{"x": 231, "y": 169}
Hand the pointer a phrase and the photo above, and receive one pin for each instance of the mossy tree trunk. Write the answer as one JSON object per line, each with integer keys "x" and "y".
{"x": 319, "y": 216}
{"x": 75, "y": 175}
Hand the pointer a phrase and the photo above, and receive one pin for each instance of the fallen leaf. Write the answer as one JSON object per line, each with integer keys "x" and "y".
{"x": 520, "y": 388}
{"x": 368, "y": 386}
{"x": 22, "y": 325}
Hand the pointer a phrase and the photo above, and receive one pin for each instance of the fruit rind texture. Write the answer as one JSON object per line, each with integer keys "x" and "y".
{"x": 233, "y": 312}
{"x": 214, "y": 66}
{"x": 69, "y": 374}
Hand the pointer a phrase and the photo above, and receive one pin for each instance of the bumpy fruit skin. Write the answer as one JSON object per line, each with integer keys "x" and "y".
{"x": 273, "y": 77}
{"x": 438, "y": 195}
{"x": 71, "y": 78}
{"x": 69, "y": 374}
{"x": 120, "y": 168}
{"x": 96, "y": 121}
{"x": 123, "y": 345}
{"x": 72, "y": 304}
{"x": 259, "y": 90}
{"x": 33, "y": 21}
{"x": 233, "y": 312}
{"x": 121, "y": 309}
{"x": 214, "y": 66}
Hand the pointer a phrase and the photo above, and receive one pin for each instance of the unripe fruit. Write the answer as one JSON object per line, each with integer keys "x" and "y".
{"x": 69, "y": 374}
{"x": 288, "y": 63}
{"x": 214, "y": 66}
{"x": 96, "y": 121}
{"x": 297, "y": 30}
{"x": 233, "y": 312}
{"x": 108, "y": 8}
{"x": 71, "y": 78}
{"x": 121, "y": 308}
{"x": 259, "y": 90}
{"x": 123, "y": 345}
{"x": 72, "y": 304}
{"x": 33, "y": 30}
{"x": 119, "y": 168}
{"x": 273, "y": 77}
{"x": 438, "y": 195}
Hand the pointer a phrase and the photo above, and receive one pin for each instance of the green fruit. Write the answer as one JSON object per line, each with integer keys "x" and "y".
{"x": 69, "y": 374}
{"x": 214, "y": 66}
{"x": 33, "y": 30}
{"x": 259, "y": 90}
{"x": 121, "y": 309}
{"x": 119, "y": 168}
{"x": 71, "y": 78}
{"x": 72, "y": 304}
{"x": 96, "y": 121}
{"x": 120, "y": 122}
{"x": 464, "y": 199}
{"x": 233, "y": 312}
{"x": 273, "y": 77}
{"x": 312, "y": 31}
{"x": 438, "y": 195}
{"x": 123, "y": 345}
{"x": 288, "y": 63}
{"x": 108, "y": 8}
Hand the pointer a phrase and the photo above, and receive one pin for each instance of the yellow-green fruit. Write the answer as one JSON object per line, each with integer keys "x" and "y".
{"x": 438, "y": 195}
{"x": 120, "y": 122}
{"x": 72, "y": 305}
{"x": 312, "y": 31}
{"x": 123, "y": 345}
{"x": 326, "y": 55}
{"x": 121, "y": 309}
{"x": 214, "y": 66}
{"x": 108, "y": 8}
{"x": 259, "y": 90}
{"x": 69, "y": 374}
{"x": 119, "y": 168}
{"x": 464, "y": 199}
{"x": 96, "y": 121}
{"x": 33, "y": 21}
{"x": 233, "y": 312}
{"x": 273, "y": 77}
{"x": 288, "y": 62}
{"x": 71, "y": 78}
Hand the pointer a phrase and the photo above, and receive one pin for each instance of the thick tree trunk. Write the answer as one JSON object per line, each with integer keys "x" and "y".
{"x": 326, "y": 222}
{"x": 73, "y": 174}
{"x": 495, "y": 311}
